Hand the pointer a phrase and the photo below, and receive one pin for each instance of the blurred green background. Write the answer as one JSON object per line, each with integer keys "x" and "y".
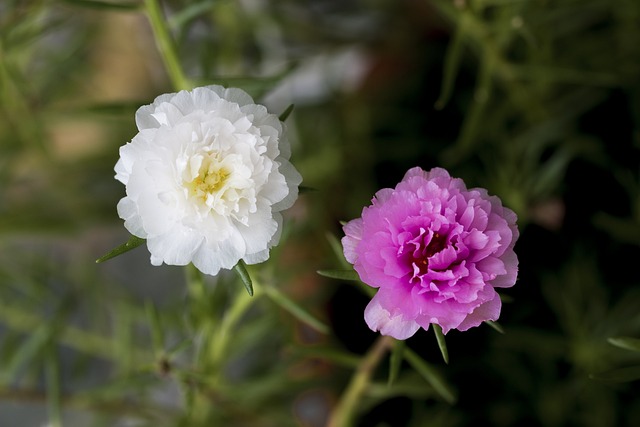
{"x": 536, "y": 100}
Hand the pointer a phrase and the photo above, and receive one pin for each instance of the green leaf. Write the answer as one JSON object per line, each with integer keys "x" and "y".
{"x": 132, "y": 243}
{"x": 395, "y": 361}
{"x": 333, "y": 355}
{"x": 336, "y": 248}
{"x": 157, "y": 333}
{"x": 626, "y": 343}
{"x": 441, "y": 342}
{"x": 495, "y": 325}
{"x": 631, "y": 373}
{"x": 410, "y": 385}
{"x": 108, "y": 5}
{"x": 430, "y": 374}
{"x": 294, "y": 309}
{"x": 241, "y": 269}
{"x": 185, "y": 343}
{"x": 190, "y": 12}
{"x": 452, "y": 63}
{"x": 304, "y": 189}
{"x": 286, "y": 113}
{"x": 32, "y": 347}
{"x": 340, "y": 274}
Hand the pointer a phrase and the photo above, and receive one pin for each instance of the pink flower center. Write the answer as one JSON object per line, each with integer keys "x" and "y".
{"x": 425, "y": 245}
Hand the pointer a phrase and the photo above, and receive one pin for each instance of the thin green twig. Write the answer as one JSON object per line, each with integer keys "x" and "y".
{"x": 343, "y": 414}
{"x": 166, "y": 45}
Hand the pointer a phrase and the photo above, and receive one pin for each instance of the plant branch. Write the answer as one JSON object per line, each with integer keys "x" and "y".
{"x": 166, "y": 46}
{"x": 342, "y": 415}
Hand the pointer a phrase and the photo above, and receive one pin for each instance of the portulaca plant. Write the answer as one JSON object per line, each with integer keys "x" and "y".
{"x": 207, "y": 177}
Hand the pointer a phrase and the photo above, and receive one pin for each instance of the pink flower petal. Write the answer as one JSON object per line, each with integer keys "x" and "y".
{"x": 435, "y": 250}
{"x": 380, "y": 319}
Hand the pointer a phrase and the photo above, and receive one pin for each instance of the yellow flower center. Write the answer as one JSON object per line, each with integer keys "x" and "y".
{"x": 211, "y": 177}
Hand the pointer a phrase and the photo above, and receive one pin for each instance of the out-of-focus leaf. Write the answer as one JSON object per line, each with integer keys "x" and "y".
{"x": 430, "y": 374}
{"x": 304, "y": 189}
{"x": 442, "y": 343}
{"x": 255, "y": 86}
{"x": 336, "y": 248}
{"x": 110, "y": 108}
{"x": 395, "y": 361}
{"x": 293, "y": 308}
{"x": 157, "y": 332}
{"x": 108, "y": 5}
{"x": 121, "y": 386}
{"x": 54, "y": 392}
{"x": 411, "y": 385}
{"x": 452, "y": 63}
{"x": 190, "y": 12}
{"x": 180, "y": 346}
{"x": 340, "y": 274}
{"x": 334, "y": 355}
{"x": 241, "y": 270}
{"x": 631, "y": 373}
{"x": 132, "y": 243}
{"x": 625, "y": 230}
{"x": 565, "y": 75}
{"x": 627, "y": 343}
{"x": 32, "y": 347}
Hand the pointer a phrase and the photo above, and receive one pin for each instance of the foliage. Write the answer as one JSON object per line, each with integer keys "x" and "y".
{"x": 536, "y": 100}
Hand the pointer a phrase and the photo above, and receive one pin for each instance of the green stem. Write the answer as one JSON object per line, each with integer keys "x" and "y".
{"x": 224, "y": 330}
{"x": 343, "y": 414}
{"x": 166, "y": 45}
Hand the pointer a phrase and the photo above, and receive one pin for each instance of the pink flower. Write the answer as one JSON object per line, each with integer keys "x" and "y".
{"x": 436, "y": 250}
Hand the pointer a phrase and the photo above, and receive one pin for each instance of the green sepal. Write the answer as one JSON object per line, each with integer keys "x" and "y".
{"x": 340, "y": 274}
{"x": 626, "y": 343}
{"x": 132, "y": 243}
{"x": 285, "y": 114}
{"x": 442, "y": 343}
{"x": 241, "y": 270}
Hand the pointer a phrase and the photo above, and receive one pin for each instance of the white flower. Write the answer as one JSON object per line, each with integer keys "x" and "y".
{"x": 206, "y": 179}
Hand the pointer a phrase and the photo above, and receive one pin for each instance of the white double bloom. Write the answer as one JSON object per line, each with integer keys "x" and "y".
{"x": 206, "y": 179}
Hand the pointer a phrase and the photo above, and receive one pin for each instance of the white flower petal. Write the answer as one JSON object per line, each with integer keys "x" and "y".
{"x": 128, "y": 210}
{"x": 206, "y": 178}
{"x": 176, "y": 248}
{"x": 293, "y": 179}
{"x": 233, "y": 94}
{"x": 144, "y": 118}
